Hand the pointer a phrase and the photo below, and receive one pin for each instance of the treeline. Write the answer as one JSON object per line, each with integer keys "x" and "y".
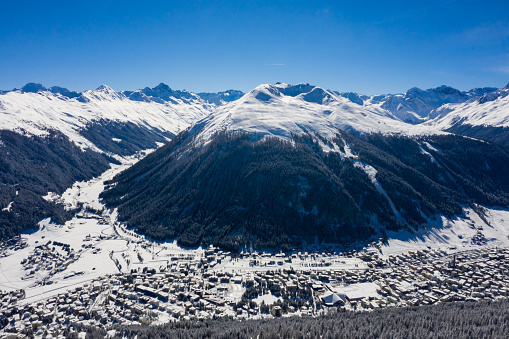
{"x": 32, "y": 166}
{"x": 240, "y": 191}
{"x": 499, "y": 135}
{"x": 486, "y": 319}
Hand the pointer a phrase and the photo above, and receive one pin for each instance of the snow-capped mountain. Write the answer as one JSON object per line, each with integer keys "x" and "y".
{"x": 275, "y": 110}
{"x": 283, "y": 110}
{"x": 490, "y": 109}
{"x": 416, "y": 104}
{"x": 484, "y": 117}
{"x": 221, "y": 98}
{"x": 35, "y": 110}
{"x": 162, "y": 94}
{"x": 353, "y": 169}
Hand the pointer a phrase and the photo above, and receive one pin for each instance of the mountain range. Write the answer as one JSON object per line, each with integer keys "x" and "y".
{"x": 272, "y": 167}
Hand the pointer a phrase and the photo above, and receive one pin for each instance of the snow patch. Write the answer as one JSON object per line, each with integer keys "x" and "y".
{"x": 433, "y": 160}
{"x": 8, "y": 208}
{"x": 268, "y": 299}
{"x": 371, "y": 172}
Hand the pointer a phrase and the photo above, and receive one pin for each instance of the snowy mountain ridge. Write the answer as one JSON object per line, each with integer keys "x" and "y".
{"x": 281, "y": 110}
{"x": 269, "y": 110}
{"x": 491, "y": 109}
{"x": 36, "y": 110}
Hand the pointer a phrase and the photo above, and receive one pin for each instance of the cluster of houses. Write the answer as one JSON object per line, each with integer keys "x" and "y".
{"x": 53, "y": 257}
{"x": 191, "y": 287}
{"x": 426, "y": 277}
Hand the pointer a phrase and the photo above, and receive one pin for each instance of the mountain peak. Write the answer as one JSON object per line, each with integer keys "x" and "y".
{"x": 294, "y": 90}
{"x": 103, "y": 92}
{"x": 414, "y": 91}
{"x": 63, "y": 91}
{"x": 353, "y": 97}
{"x": 32, "y": 87}
{"x": 446, "y": 90}
{"x": 105, "y": 88}
{"x": 162, "y": 87}
{"x": 163, "y": 92}
{"x": 265, "y": 92}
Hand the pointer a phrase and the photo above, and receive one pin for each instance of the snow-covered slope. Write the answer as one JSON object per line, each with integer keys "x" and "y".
{"x": 491, "y": 109}
{"x": 416, "y": 104}
{"x": 282, "y": 110}
{"x": 268, "y": 110}
{"x": 35, "y": 112}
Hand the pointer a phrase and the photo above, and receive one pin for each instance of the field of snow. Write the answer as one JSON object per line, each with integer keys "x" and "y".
{"x": 359, "y": 290}
{"x": 268, "y": 299}
{"x": 455, "y": 235}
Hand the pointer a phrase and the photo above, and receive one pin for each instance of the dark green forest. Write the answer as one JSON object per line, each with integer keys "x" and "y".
{"x": 32, "y": 166}
{"x": 133, "y": 138}
{"x": 499, "y": 135}
{"x": 238, "y": 190}
{"x": 485, "y": 319}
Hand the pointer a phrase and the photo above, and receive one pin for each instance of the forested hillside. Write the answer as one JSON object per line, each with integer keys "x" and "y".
{"x": 32, "y": 166}
{"x": 123, "y": 138}
{"x": 448, "y": 320}
{"x": 238, "y": 190}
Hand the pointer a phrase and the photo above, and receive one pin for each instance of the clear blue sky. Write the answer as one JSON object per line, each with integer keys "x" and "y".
{"x": 363, "y": 46}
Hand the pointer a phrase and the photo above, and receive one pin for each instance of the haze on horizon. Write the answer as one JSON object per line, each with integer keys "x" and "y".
{"x": 370, "y": 47}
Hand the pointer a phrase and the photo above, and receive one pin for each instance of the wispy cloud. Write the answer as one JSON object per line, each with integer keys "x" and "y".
{"x": 502, "y": 69}
{"x": 485, "y": 34}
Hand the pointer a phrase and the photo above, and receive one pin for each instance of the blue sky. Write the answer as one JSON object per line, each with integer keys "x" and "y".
{"x": 362, "y": 46}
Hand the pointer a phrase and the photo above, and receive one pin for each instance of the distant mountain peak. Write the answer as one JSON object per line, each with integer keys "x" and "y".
{"x": 221, "y": 98}
{"x": 446, "y": 90}
{"x": 308, "y": 92}
{"x": 32, "y": 87}
{"x": 353, "y": 97}
{"x": 294, "y": 90}
{"x": 162, "y": 87}
{"x": 105, "y": 88}
{"x": 163, "y": 92}
{"x": 414, "y": 90}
